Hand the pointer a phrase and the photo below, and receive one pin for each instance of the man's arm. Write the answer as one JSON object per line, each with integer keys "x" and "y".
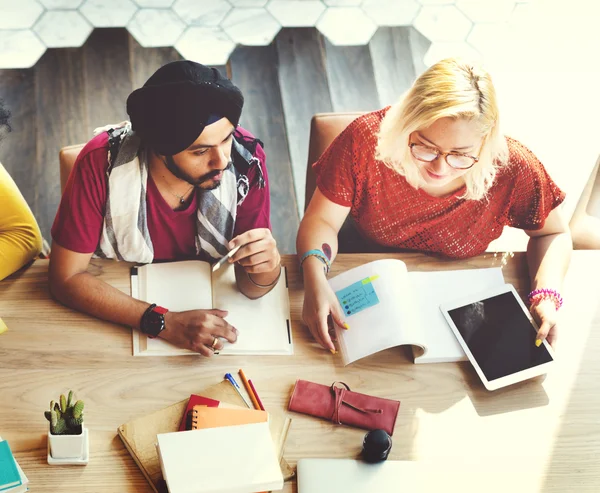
{"x": 72, "y": 285}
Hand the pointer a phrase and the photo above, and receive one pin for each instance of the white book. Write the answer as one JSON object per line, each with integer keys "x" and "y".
{"x": 387, "y": 306}
{"x": 24, "y": 481}
{"x": 229, "y": 459}
{"x": 263, "y": 324}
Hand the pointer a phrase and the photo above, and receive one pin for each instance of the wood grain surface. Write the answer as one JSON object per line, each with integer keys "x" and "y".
{"x": 540, "y": 435}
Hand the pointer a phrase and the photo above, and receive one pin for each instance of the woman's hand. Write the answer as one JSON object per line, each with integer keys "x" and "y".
{"x": 546, "y": 316}
{"x": 320, "y": 302}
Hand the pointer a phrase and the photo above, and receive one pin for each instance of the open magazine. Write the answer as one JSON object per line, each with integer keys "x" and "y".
{"x": 387, "y": 306}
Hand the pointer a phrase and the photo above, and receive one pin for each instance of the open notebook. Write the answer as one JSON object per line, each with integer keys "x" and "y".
{"x": 387, "y": 306}
{"x": 263, "y": 324}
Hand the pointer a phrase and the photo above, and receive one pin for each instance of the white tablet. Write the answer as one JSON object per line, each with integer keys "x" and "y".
{"x": 498, "y": 334}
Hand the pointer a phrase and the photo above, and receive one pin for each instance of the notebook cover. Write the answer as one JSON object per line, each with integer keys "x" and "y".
{"x": 139, "y": 434}
{"x": 206, "y": 417}
{"x": 232, "y": 459}
{"x": 193, "y": 401}
{"x": 9, "y": 474}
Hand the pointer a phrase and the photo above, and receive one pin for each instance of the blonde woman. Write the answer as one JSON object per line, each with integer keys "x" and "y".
{"x": 433, "y": 173}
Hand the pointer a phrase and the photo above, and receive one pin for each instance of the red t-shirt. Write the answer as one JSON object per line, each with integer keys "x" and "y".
{"x": 391, "y": 212}
{"x": 80, "y": 217}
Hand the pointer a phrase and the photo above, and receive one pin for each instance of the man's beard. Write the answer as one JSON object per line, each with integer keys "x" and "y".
{"x": 196, "y": 182}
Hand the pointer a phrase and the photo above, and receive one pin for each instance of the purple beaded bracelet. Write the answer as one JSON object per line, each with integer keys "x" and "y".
{"x": 544, "y": 293}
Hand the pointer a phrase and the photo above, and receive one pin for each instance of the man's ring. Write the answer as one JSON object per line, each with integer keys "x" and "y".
{"x": 213, "y": 346}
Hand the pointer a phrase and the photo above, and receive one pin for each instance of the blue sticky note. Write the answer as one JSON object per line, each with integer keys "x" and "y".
{"x": 357, "y": 297}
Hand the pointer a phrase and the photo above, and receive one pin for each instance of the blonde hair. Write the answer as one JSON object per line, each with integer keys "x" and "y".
{"x": 451, "y": 88}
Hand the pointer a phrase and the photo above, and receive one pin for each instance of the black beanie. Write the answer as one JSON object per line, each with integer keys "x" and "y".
{"x": 172, "y": 108}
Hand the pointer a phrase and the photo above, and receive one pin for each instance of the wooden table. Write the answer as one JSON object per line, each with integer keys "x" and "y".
{"x": 541, "y": 435}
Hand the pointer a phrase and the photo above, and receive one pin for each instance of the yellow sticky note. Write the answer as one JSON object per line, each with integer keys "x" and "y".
{"x": 369, "y": 279}
{"x": 3, "y": 327}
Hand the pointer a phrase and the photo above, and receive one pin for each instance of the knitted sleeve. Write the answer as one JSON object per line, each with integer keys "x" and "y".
{"x": 20, "y": 237}
{"x": 534, "y": 193}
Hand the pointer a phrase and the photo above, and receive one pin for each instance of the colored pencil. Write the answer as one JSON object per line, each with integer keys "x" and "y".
{"x": 262, "y": 408}
{"x": 249, "y": 389}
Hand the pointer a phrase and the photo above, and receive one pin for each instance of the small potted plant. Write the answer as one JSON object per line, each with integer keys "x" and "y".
{"x": 66, "y": 435}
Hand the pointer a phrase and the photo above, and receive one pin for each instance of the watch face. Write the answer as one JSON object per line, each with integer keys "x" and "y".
{"x": 153, "y": 324}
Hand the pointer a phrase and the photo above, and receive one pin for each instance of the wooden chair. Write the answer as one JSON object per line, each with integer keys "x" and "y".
{"x": 67, "y": 157}
{"x": 585, "y": 223}
{"x": 324, "y": 128}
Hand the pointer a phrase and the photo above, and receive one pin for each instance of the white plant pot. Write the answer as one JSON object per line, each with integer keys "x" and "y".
{"x": 67, "y": 446}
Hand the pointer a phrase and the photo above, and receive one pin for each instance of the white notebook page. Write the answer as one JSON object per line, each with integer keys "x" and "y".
{"x": 432, "y": 289}
{"x": 262, "y": 323}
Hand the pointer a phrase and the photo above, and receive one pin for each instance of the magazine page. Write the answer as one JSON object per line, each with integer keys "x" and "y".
{"x": 432, "y": 289}
{"x": 377, "y": 303}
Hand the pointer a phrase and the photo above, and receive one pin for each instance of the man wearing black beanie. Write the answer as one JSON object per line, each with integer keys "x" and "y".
{"x": 181, "y": 180}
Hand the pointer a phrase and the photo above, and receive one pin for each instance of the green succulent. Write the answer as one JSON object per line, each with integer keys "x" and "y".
{"x": 65, "y": 418}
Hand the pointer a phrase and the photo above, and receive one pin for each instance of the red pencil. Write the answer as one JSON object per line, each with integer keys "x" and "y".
{"x": 262, "y": 408}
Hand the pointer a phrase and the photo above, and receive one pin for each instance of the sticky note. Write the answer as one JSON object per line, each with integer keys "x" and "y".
{"x": 3, "y": 327}
{"x": 358, "y": 296}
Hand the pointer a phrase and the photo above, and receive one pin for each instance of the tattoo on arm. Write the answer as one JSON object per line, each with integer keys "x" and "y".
{"x": 326, "y": 250}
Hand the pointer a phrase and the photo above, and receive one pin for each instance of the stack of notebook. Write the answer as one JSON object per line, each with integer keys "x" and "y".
{"x": 12, "y": 478}
{"x": 140, "y": 434}
{"x": 227, "y": 450}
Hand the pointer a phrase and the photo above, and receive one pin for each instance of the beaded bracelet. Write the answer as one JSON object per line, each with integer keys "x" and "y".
{"x": 320, "y": 255}
{"x": 538, "y": 295}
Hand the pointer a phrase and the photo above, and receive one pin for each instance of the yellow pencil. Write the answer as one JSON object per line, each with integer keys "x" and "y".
{"x": 3, "y": 327}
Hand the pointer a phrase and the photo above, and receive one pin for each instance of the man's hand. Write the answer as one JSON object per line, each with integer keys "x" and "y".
{"x": 197, "y": 330}
{"x": 258, "y": 253}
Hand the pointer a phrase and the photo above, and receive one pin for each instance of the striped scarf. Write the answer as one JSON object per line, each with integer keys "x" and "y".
{"x": 125, "y": 234}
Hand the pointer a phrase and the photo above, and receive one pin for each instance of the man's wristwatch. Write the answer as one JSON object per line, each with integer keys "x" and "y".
{"x": 153, "y": 321}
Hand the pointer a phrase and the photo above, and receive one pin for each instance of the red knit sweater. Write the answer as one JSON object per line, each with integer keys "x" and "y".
{"x": 389, "y": 211}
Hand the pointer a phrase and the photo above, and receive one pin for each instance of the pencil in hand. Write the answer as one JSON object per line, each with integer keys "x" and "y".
{"x": 225, "y": 258}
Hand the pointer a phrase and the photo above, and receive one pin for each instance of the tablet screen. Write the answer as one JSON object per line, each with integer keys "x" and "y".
{"x": 499, "y": 335}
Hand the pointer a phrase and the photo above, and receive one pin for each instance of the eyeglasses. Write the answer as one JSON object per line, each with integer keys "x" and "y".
{"x": 455, "y": 160}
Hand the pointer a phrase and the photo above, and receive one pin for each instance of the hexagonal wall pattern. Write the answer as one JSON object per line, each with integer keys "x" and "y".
{"x": 19, "y": 15}
{"x": 489, "y": 11}
{"x": 108, "y": 13}
{"x": 60, "y": 4}
{"x": 156, "y": 27}
{"x": 155, "y": 4}
{"x": 20, "y": 49}
{"x": 443, "y": 23}
{"x": 198, "y": 13}
{"x": 391, "y": 12}
{"x": 491, "y": 27}
{"x": 252, "y": 27}
{"x": 248, "y": 3}
{"x": 62, "y": 28}
{"x": 206, "y": 45}
{"x": 346, "y": 26}
{"x": 296, "y": 13}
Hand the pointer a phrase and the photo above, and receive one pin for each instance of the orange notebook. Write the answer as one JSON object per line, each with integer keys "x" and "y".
{"x": 216, "y": 417}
